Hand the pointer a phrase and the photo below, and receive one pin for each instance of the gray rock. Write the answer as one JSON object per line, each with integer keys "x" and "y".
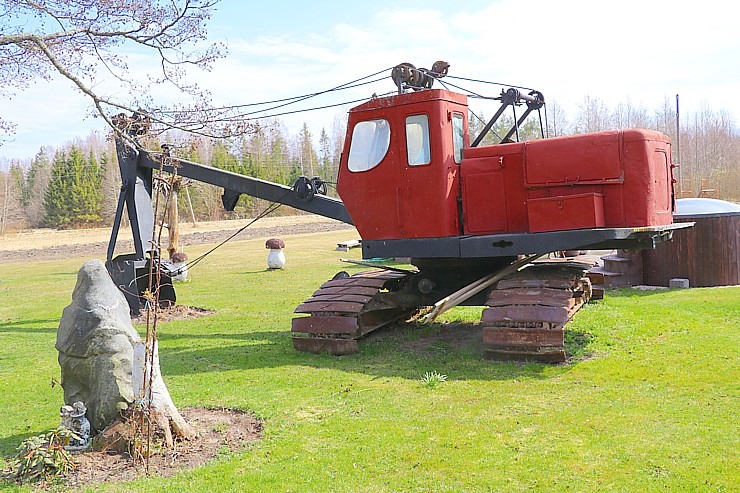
{"x": 678, "y": 283}
{"x": 95, "y": 340}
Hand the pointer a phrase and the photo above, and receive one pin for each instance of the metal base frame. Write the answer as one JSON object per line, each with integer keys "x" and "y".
{"x": 507, "y": 245}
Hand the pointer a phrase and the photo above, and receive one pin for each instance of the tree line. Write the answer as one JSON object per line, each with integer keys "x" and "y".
{"x": 77, "y": 186}
{"x": 706, "y": 143}
{"x": 60, "y": 191}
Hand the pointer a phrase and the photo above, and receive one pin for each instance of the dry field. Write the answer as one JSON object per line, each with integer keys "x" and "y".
{"x": 46, "y": 244}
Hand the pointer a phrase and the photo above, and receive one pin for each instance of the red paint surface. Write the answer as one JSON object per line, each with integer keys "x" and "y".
{"x": 605, "y": 179}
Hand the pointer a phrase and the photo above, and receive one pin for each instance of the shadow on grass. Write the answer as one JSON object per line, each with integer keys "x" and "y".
{"x": 25, "y": 326}
{"x": 400, "y": 350}
{"x": 9, "y": 445}
{"x": 576, "y": 344}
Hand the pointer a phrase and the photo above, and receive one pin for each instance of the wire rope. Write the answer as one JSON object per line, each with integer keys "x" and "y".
{"x": 269, "y": 210}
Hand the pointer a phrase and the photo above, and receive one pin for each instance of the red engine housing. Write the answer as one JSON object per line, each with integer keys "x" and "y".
{"x": 407, "y": 172}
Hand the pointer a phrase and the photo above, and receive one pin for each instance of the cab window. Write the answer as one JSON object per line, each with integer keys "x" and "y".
{"x": 369, "y": 145}
{"x": 417, "y": 140}
{"x": 458, "y": 129}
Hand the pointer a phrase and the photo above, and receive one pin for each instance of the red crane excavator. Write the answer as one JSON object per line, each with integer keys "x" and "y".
{"x": 473, "y": 219}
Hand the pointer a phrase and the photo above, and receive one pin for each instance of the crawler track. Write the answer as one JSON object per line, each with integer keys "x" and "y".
{"x": 524, "y": 319}
{"x": 343, "y": 310}
{"x": 528, "y": 310}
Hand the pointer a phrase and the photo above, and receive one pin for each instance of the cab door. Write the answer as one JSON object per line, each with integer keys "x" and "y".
{"x": 428, "y": 190}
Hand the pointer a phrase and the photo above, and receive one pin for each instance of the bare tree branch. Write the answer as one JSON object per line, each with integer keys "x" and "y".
{"x": 86, "y": 41}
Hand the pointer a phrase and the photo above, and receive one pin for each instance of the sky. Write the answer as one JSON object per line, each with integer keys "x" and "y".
{"x": 637, "y": 51}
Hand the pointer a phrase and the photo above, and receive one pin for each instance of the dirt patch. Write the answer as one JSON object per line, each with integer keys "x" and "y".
{"x": 176, "y": 312}
{"x": 220, "y": 430}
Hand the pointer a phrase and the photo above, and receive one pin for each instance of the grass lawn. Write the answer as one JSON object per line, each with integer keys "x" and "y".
{"x": 651, "y": 404}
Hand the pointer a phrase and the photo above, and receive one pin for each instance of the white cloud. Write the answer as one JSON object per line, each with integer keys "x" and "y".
{"x": 47, "y": 114}
{"x": 642, "y": 51}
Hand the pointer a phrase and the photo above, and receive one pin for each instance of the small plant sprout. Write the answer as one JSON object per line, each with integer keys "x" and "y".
{"x": 432, "y": 379}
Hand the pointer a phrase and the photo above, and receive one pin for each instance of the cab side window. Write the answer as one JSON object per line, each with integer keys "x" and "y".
{"x": 458, "y": 131}
{"x": 370, "y": 142}
{"x": 417, "y": 140}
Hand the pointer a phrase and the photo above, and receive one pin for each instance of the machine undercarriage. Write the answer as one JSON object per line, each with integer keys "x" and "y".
{"x": 524, "y": 317}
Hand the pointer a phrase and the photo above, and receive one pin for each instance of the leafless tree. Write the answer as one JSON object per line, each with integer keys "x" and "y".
{"x": 626, "y": 115}
{"x": 665, "y": 118}
{"x": 37, "y": 179}
{"x": 593, "y": 115}
{"x": 85, "y": 41}
{"x": 557, "y": 122}
{"x": 11, "y": 212}
{"x": 710, "y": 153}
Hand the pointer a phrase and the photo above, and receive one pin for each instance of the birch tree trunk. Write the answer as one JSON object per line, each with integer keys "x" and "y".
{"x": 165, "y": 412}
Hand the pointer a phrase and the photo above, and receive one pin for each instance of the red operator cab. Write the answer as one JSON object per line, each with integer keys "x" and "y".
{"x": 400, "y": 171}
{"x": 408, "y": 172}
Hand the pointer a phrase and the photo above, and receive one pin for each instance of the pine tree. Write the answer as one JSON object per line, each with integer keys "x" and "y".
{"x": 90, "y": 187}
{"x": 18, "y": 175}
{"x": 74, "y": 196}
{"x": 223, "y": 158}
{"x": 338, "y": 134}
{"x": 56, "y": 198}
{"x": 37, "y": 179}
{"x": 278, "y": 166}
{"x": 306, "y": 154}
{"x": 325, "y": 166}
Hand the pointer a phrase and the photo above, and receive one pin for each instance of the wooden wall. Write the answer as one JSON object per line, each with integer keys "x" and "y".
{"x": 706, "y": 255}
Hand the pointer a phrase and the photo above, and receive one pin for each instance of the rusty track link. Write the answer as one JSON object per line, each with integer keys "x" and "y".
{"x": 528, "y": 310}
{"x": 343, "y": 310}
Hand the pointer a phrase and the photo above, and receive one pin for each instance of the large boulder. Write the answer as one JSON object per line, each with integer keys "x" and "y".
{"x": 96, "y": 340}
{"x": 103, "y": 358}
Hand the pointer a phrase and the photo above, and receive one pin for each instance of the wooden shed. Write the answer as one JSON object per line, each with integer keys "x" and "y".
{"x": 707, "y": 254}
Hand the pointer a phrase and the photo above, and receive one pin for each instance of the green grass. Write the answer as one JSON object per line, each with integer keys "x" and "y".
{"x": 649, "y": 403}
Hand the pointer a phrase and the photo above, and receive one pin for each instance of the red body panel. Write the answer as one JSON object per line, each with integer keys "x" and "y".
{"x": 623, "y": 179}
{"x": 577, "y": 211}
{"x": 608, "y": 179}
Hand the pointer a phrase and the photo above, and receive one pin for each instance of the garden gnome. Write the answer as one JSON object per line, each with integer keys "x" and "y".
{"x": 276, "y": 257}
{"x": 73, "y": 419}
